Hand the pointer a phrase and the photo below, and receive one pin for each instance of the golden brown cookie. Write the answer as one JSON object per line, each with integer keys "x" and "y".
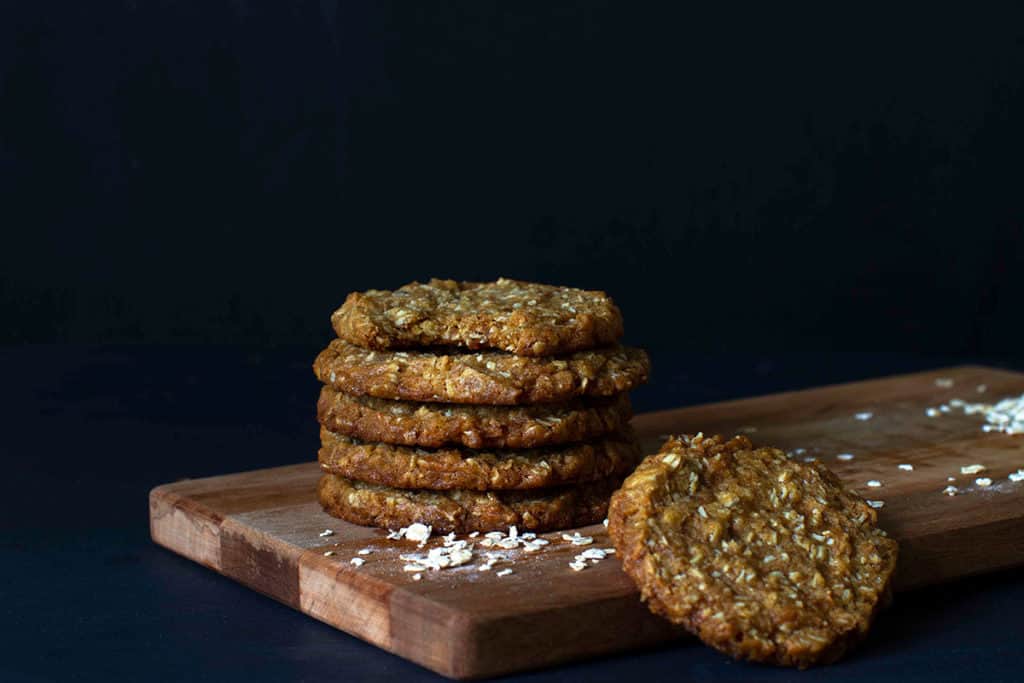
{"x": 432, "y": 425}
{"x": 465, "y": 511}
{"x": 761, "y": 557}
{"x": 490, "y": 378}
{"x": 524, "y": 318}
{"x": 477, "y": 470}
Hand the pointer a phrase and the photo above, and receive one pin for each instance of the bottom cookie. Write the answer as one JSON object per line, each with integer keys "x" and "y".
{"x": 466, "y": 511}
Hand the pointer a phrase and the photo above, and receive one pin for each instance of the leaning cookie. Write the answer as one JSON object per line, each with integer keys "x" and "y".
{"x": 432, "y": 425}
{"x": 490, "y": 378}
{"x": 761, "y": 557}
{"x": 524, "y": 318}
{"x": 465, "y": 511}
{"x": 477, "y": 470}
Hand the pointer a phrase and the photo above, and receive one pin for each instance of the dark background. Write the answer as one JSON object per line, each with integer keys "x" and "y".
{"x": 188, "y": 189}
{"x": 744, "y": 179}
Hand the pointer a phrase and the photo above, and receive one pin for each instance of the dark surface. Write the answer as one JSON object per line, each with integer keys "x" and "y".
{"x": 85, "y": 595}
{"x": 224, "y": 171}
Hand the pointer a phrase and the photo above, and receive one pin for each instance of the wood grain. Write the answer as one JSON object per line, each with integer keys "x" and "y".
{"x": 262, "y": 528}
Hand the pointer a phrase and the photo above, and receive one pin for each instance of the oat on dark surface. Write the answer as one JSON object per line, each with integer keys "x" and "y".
{"x": 525, "y": 318}
{"x": 477, "y": 470}
{"x": 761, "y": 557}
{"x": 432, "y": 425}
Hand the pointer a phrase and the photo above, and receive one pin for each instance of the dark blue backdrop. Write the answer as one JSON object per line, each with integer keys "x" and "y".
{"x": 736, "y": 177}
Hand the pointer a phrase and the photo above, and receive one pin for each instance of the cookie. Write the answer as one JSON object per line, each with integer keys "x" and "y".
{"x": 476, "y": 470}
{"x": 490, "y": 378}
{"x": 465, "y": 511}
{"x": 523, "y": 318}
{"x": 432, "y": 425}
{"x": 762, "y": 558}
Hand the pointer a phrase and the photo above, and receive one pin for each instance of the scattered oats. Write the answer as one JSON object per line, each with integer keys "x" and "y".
{"x": 413, "y": 568}
{"x": 1017, "y": 476}
{"x": 951, "y": 490}
{"x": 592, "y": 554}
{"x": 328, "y": 553}
{"x": 420, "y": 533}
{"x": 485, "y": 567}
{"x": 503, "y": 572}
{"x": 983, "y": 481}
{"x": 944, "y": 382}
{"x": 874, "y": 483}
{"x": 906, "y": 468}
{"x": 576, "y": 539}
{"x": 981, "y": 388}
{"x": 578, "y": 566}
{"x": 513, "y": 532}
{"x": 609, "y": 551}
{"x": 605, "y": 522}
{"x": 417, "y": 577}
{"x": 876, "y": 503}
{"x": 395, "y": 535}
{"x": 357, "y": 561}
{"x": 364, "y": 551}
{"x": 972, "y": 469}
{"x": 944, "y": 408}
{"x": 449, "y": 538}
{"x": 326, "y": 532}
{"x": 865, "y": 416}
{"x": 799, "y": 451}
{"x": 532, "y": 547}
{"x": 931, "y": 412}
{"x": 474, "y": 534}
{"x": 810, "y": 458}
{"x": 950, "y": 478}
{"x": 845, "y": 456}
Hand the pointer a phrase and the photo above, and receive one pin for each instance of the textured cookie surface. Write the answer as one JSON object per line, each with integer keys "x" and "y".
{"x": 465, "y": 511}
{"x": 524, "y": 318}
{"x": 432, "y": 425}
{"x": 762, "y": 558}
{"x": 477, "y": 470}
{"x": 490, "y": 378}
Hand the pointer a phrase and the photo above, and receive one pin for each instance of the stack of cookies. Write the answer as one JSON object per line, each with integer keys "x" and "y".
{"x": 476, "y": 406}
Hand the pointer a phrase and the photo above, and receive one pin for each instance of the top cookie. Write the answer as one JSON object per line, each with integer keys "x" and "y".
{"x": 761, "y": 557}
{"x": 524, "y": 318}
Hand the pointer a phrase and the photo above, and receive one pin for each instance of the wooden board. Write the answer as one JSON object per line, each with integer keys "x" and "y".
{"x": 262, "y": 529}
